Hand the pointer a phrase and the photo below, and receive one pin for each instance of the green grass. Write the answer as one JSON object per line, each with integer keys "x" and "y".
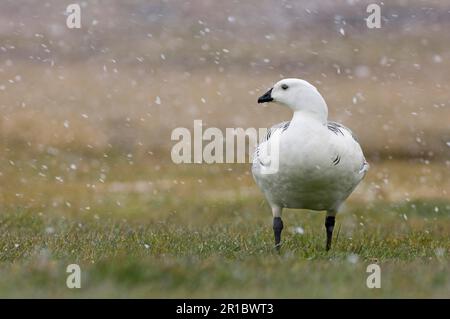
{"x": 205, "y": 231}
{"x": 230, "y": 258}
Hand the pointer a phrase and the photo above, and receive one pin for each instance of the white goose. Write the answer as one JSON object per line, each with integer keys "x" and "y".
{"x": 318, "y": 163}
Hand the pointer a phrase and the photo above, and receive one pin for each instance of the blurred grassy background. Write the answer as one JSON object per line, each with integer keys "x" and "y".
{"x": 85, "y": 124}
{"x": 97, "y": 86}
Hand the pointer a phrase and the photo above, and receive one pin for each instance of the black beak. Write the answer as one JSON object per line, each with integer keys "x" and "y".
{"x": 267, "y": 97}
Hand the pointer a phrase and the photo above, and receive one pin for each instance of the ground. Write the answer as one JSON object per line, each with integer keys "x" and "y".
{"x": 149, "y": 229}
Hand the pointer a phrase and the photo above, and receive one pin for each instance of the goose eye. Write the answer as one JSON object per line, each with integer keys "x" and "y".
{"x": 284, "y": 86}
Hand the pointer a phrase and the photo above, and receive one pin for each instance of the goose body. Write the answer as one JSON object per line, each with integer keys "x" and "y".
{"x": 318, "y": 169}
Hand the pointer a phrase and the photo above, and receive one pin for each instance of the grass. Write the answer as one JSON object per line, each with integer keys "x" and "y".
{"x": 180, "y": 231}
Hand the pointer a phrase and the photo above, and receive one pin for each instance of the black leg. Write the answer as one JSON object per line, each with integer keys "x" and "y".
{"x": 329, "y": 226}
{"x": 277, "y": 228}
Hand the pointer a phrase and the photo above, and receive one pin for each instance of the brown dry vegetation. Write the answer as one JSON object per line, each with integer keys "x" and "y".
{"x": 87, "y": 110}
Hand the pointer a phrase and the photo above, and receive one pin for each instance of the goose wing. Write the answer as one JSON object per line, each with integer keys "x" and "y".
{"x": 340, "y": 129}
{"x": 277, "y": 128}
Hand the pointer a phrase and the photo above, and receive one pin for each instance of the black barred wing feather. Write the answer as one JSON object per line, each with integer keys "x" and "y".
{"x": 283, "y": 126}
{"x": 339, "y": 129}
